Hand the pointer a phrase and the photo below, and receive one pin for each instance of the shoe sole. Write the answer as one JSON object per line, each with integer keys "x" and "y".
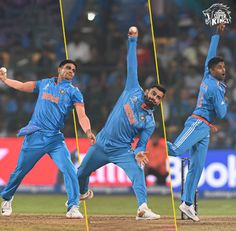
{"x": 74, "y": 217}
{"x": 90, "y": 196}
{"x": 182, "y": 210}
{"x": 5, "y": 215}
{"x": 146, "y": 218}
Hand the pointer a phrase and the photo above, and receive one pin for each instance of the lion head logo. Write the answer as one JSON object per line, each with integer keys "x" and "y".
{"x": 217, "y": 13}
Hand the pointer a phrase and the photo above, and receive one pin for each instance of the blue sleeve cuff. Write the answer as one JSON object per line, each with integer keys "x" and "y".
{"x": 135, "y": 39}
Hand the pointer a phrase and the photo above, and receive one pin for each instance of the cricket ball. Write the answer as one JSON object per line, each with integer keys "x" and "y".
{"x": 4, "y": 69}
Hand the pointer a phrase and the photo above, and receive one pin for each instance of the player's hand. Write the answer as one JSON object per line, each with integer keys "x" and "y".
{"x": 220, "y": 28}
{"x": 91, "y": 136}
{"x": 133, "y": 32}
{"x": 142, "y": 159}
{"x": 3, "y": 74}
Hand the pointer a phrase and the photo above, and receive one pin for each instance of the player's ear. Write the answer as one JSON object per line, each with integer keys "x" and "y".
{"x": 146, "y": 92}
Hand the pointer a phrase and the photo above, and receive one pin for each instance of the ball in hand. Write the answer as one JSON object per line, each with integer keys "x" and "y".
{"x": 4, "y": 69}
{"x": 133, "y": 29}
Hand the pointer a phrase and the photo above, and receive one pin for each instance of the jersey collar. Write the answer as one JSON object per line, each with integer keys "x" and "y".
{"x": 148, "y": 110}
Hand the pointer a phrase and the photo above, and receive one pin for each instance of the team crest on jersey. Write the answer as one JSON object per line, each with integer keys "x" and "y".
{"x": 62, "y": 91}
{"x": 142, "y": 117}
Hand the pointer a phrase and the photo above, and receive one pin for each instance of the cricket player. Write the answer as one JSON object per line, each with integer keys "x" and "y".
{"x": 56, "y": 97}
{"x": 196, "y": 133}
{"x": 132, "y": 115}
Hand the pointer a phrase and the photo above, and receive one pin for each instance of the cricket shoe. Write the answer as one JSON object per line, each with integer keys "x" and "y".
{"x": 144, "y": 213}
{"x": 86, "y": 196}
{"x": 189, "y": 211}
{"x": 6, "y": 209}
{"x": 74, "y": 213}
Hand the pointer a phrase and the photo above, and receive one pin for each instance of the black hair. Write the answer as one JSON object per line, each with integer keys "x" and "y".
{"x": 64, "y": 62}
{"x": 214, "y": 61}
{"x": 159, "y": 87}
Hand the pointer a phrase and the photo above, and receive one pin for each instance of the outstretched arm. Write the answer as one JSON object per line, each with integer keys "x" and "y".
{"x": 132, "y": 66}
{"x": 214, "y": 44}
{"x": 140, "y": 151}
{"x": 25, "y": 87}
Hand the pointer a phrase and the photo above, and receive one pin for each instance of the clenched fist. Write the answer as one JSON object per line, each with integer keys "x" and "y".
{"x": 133, "y": 31}
{"x": 3, "y": 74}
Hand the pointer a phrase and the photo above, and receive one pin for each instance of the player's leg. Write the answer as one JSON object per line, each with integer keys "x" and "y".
{"x": 26, "y": 161}
{"x": 94, "y": 159}
{"x": 62, "y": 159}
{"x": 127, "y": 162}
{"x": 197, "y": 161}
{"x": 190, "y": 135}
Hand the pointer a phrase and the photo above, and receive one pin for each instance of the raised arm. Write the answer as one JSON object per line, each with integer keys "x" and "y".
{"x": 214, "y": 44}
{"x": 132, "y": 65}
{"x": 20, "y": 86}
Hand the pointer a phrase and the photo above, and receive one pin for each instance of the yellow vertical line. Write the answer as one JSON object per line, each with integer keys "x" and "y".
{"x": 162, "y": 112}
{"x": 74, "y": 117}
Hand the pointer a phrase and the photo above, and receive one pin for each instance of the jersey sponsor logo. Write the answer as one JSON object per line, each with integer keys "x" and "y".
{"x": 50, "y": 97}
{"x": 134, "y": 99}
{"x": 130, "y": 114}
{"x": 46, "y": 86}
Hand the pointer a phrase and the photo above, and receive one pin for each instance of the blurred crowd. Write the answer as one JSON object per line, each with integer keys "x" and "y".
{"x": 31, "y": 46}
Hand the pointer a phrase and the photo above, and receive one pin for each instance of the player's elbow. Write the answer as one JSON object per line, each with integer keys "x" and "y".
{"x": 221, "y": 114}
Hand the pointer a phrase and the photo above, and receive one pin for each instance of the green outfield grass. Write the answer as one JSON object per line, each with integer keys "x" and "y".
{"x": 110, "y": 205}
{"x": 117, "y": 205}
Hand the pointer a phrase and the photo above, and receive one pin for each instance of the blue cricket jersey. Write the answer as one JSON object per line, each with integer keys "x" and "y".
{"x": 54, "y": 102}
{"x": 128, "y": 118}
{"x": 211, "y": 103}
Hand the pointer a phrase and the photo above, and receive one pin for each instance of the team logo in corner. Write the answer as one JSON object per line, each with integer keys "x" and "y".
{"x": 216, "y": 14}
{"x": 62, "y": 91}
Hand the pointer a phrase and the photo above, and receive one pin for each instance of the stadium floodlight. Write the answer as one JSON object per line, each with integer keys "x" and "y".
{"x": 91, "y": 16}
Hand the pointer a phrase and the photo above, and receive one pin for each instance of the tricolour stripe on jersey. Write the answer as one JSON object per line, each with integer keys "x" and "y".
{"x": 187, "y": 134}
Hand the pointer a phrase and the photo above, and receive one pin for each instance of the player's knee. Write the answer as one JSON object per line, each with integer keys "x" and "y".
{"x": 82, "y": 173}
{"x": 173, "y": 150}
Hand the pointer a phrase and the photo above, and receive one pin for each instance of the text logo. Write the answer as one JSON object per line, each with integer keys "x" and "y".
{"x": 216, "y": 14}
{"x": 130, "y": 114}
{"x": 50, "y": 97}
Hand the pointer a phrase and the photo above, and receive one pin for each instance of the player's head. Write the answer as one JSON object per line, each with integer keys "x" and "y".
{"x": 154, "y": 95}
{"x": 216, "y": 67}
{"x": 67, "y": 69}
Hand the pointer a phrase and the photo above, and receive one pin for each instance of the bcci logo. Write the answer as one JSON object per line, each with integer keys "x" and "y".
{"x": 62, "y": 91}
{"x": 216, "y": 14}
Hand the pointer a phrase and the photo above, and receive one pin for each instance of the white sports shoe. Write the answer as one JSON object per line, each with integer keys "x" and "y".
{"x": 74, "y": 213}
{"x": 6, "y": 209}
{"x": 189, "y": 211}
{"x": 144, "y": 213}
{"x": 86, "y": 196}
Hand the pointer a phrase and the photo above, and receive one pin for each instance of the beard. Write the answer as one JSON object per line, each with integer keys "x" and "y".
{"x": 148, "y": 102}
